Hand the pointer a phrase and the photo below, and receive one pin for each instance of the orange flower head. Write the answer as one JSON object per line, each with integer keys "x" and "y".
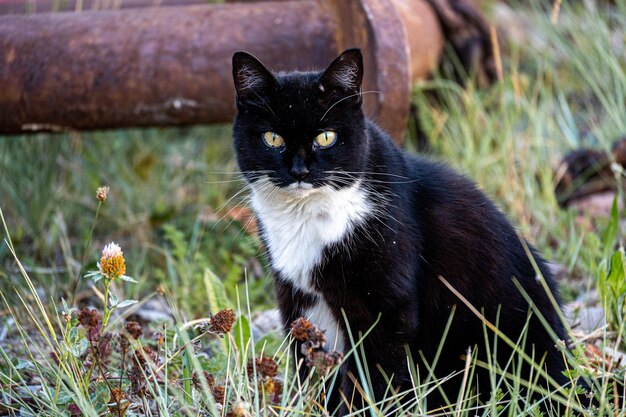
{"x": 112, "y": 263}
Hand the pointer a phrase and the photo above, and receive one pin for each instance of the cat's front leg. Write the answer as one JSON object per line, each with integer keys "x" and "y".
{"x": 291, "y": 304}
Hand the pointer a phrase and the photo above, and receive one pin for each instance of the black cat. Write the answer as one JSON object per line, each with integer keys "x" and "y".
{"x": 354, "y": 224}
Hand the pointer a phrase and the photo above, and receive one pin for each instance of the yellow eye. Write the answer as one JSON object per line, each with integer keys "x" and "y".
{"x": 273, "y": 140}
{"x": 326, "y": 138}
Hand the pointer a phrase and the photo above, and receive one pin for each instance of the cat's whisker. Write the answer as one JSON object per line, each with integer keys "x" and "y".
{"x": 232, "y": 219}
{"x": 234, "y": 180}
{"x": 347, "y": 97}
{"x": 360, "y": 175}
{"x": 366, "y": 173}
{"x": 244, "y": 228}
{"x": 238, "y": 193}
{"x": 383, "y": 174}
{"x": 227, "y": 214}
{"x": 378, "y": 211}
{"x": 373, "y": 181}
{"x": 245, "y": 200}
{"x": 350, "y": 181}
{"x": 242, "y": 176}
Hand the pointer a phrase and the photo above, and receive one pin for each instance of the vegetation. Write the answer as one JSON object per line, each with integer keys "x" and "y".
{"x": 176, "y": 207}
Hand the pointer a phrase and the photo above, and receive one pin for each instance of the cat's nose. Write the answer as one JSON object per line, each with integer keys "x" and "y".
{"x": 298, "y": 169}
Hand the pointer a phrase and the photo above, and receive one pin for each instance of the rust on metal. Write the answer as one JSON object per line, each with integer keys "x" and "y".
{"x": 146, "y": 67}
{"x": 376, "y": 27}
{"x": 45, "y": 6}
{"x": 424, "y": 36}
{"x": 171, "y": 65}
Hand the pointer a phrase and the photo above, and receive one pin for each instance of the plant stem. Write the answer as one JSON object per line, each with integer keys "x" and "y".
{"x": 123, "y": 368}
{"x": 107, "y": 312}
{"x": 86, "y": 250}
{"x": 103, "y": 373}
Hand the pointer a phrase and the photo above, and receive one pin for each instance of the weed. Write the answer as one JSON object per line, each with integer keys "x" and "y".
{"x": 563, "y": 85}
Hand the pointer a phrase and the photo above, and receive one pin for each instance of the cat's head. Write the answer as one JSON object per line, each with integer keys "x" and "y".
{"x": 300, "y": 130}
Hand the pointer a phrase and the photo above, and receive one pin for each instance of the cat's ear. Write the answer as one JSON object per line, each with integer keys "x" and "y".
{"x": 252, "y": 80}
{"x": 345, "y": 73}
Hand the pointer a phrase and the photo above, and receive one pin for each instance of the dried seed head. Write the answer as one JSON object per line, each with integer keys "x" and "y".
{"x": 101, "y": 193}
{"x": 138, "y": 382}
{"x": 300, "y": 329}
{"x": 74, "y": 410}
{"x": 134, "y": 329}
{"x": 118, "y": 408}
{"x": 105, "y": 348}
{"x": 144, "y": 356}
{"x": 197, "y": 381}
{"x": 219, "y": 394}
{"x": 266, "y": 366}
{"x": 323, "y": 361}
{"x": 89, "y": 317}
{"x": 276, "y": 395}
{"x": 303, "y": 331}
{"x": 239, "y": 409}
{"x": 124, "y": 343}
{"x": 313, "y": 347}
{"x": 222, "y": 322}
{"x": 117, "y": 395}
{"x": 268, "y": 385}
{"x": 112, "y": 263}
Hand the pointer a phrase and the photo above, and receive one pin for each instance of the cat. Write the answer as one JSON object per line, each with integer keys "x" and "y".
{"x": 354, "y": 225}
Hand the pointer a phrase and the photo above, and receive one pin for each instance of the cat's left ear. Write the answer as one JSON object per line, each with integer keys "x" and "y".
{"x": 252, "y": 80}
{"x": 345, "y": 73}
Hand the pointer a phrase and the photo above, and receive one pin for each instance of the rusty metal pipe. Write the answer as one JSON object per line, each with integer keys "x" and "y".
{"x": 145, "y": 67}
{"x": 21, "y": 7}
{"x": 171, "y": 66}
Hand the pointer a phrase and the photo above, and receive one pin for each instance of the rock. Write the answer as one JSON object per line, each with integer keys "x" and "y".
{"x": 9, "y": 323}
{"x": 582, "y": 173}
{"x": 559, "y": 271}
{"x": 585, "y": 319}
{"x": 585, "y": 173}
{"x": 596, "y": 205}
{"x": 265, "y": 322}
{"x": 154, "y": 310}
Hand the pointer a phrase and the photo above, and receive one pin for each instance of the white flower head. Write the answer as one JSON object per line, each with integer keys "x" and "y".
{"x": 112, "y": 250}
{"x": 101, "y": 193}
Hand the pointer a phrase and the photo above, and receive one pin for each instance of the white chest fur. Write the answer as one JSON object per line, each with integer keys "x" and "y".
{"x": 300, "y": 223}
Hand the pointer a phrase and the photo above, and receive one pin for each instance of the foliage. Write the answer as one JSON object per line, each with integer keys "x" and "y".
{"x": 173, "y": 198}
{"x": 161, "y": 180}
{"x": 563, "y": 88}
{"x": 612, "y": 276}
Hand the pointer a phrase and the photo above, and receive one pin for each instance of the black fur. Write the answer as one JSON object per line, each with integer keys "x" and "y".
{"x": 431, "y": 222}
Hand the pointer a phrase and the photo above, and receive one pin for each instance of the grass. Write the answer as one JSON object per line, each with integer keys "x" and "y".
{"x": 564, "y": 87}
{"x": 166, "y": 188}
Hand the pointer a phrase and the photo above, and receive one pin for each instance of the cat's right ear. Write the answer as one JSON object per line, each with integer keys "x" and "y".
{"x": 252, "y": 80}
{"x": 345, "y": 74}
